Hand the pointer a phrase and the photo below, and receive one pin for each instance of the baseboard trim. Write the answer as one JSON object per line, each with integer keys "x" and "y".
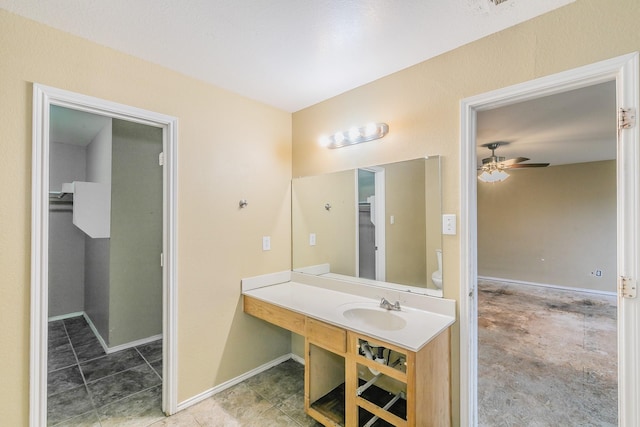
{"x": 297, "y": 358}
{"x": 65, "y": 316}
{"x": 104, "y": 345}
{"x": 237, "y": 380}
{"x": 546, "y": 285}
{"x": 120, "y": 347}
{"x": 135, "y": 343}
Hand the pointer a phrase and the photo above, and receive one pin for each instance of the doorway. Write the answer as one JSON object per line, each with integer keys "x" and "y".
{"x": 624, "y": 70}
{"x": 87, "y": 196}
{"x": 547, "y": 261}
{"x": 370, "y": 221}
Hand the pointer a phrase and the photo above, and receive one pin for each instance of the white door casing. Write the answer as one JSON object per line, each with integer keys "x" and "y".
{"x": 43, "y": 98}
{"x": 624, "y": 70}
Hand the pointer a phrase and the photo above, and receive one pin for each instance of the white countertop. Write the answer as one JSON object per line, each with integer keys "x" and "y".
{"x": 418, "y": 328}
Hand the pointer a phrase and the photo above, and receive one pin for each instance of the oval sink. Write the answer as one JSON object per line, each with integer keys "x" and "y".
{"x": 378, "y": 318}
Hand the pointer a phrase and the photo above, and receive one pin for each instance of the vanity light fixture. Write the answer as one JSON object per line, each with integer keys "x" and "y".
{"x": 355, "y": 135}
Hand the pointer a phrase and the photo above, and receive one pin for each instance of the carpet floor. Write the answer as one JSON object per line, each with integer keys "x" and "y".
{"x": 546, "y": 357}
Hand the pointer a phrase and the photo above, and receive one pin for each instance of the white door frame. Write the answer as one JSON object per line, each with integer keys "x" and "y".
{"x": 381, "y": 225}
{"x": 43, "y": 98}
{"x": 624, "y": 70}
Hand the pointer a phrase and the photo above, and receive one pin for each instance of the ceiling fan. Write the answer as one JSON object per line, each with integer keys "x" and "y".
{"x": 493, "y": 167}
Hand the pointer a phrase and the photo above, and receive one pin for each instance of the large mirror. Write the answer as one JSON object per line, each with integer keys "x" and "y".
{"x": 378, "y": 224}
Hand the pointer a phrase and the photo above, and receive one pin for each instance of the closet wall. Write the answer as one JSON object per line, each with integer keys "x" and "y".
{"x": 116, "y": 281}
{"x": 135, "y": 294}
{"x": 97, "y": 250}
{"x": 66, "y": 242}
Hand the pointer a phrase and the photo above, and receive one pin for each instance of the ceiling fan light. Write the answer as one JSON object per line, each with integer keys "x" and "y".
{"x": 500, "y": 175}
{"x": 493, "y": 176}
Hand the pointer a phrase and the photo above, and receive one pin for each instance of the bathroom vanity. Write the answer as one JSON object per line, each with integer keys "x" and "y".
{"x": 363, "y": 364}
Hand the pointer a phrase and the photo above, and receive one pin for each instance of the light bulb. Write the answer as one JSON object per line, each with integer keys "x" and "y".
{"x": 370, "y": 129}
{"x": 324, "y": 141}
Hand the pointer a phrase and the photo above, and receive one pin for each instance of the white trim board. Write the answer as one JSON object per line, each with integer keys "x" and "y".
{"x": 132, "y": 344}
{"x": 547, "y": 285}
{"x": 43, "y": 98}
{"x": 255, "y": 282}
{"x": 65, "y": 316}
{"x": 120, "y": 347}
{"x": 625, "y": 71}
{"x": 234, "y": 381}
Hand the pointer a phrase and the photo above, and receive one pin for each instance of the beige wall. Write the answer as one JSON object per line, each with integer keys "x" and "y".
{"x": 406, "y": 238}
{"x": 335, "y": 229}
{"x": 229, "y": 148}
{"x": 552, "y": 225}
{"x": 422, "y": 104}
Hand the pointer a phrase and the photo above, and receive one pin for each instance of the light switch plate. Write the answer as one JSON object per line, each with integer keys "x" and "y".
{"x": 449, "y": 224}
{"x": 266, "y": 243}
{"x": 312, "y": 239}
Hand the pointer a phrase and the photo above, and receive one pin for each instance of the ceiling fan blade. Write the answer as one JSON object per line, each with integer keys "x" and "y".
{"x": 528, "y": 165}
{"x": 510, "y": 162}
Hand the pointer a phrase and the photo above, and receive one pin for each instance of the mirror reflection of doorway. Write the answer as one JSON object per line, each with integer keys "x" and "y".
{"x": 366, "y": 224}
{"x": 105, "y": 277}
{"x": 371, "y": 261}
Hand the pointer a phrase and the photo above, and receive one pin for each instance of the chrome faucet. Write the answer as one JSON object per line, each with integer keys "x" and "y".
{"x": 384, "y": 303}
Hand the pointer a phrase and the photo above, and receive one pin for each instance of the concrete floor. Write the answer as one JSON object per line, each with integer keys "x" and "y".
{"x": 546, "y": 357}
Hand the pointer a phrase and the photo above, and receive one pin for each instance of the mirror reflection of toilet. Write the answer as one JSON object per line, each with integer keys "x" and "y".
{"x": 436, "y": 277}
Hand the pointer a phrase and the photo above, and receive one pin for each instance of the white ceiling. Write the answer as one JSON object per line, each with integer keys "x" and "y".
{"x": 287, "y": 53}
{"x": 76, "y": 127}
{"x": 295, "y": 53}
{"x": 571, "y": 127}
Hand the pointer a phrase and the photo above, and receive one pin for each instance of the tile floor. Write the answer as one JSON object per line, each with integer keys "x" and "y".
{"x": 86, "y": 387}
{"x": 273, "y": 398}
{"x": 546, "y": 357}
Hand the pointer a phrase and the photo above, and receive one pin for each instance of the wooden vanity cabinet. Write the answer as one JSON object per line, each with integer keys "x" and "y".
{"x": 335, "y": 369}
{"x": 282, "y": 317}
{"x": 325, "y": 371}
{"x": 422, "y": 379}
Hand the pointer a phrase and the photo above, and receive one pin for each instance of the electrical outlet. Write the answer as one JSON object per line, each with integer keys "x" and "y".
{"x": 596, "y": 273}
{"x": 449, "y": 224}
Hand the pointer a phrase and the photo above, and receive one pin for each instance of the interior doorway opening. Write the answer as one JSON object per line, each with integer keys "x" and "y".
{"x": 105, "y": 278}
{"x": 624, "y": 70}
{"x": 46, "y": 100}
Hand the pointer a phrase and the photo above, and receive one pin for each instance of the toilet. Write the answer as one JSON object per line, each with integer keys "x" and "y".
{"x": 436, "y": 277}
